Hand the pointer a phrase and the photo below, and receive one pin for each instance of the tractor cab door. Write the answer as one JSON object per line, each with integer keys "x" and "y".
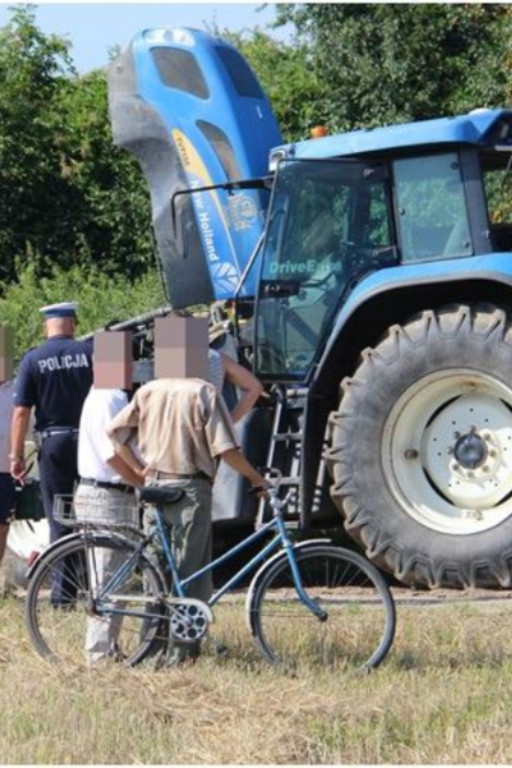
{"x": 330, "y": 223}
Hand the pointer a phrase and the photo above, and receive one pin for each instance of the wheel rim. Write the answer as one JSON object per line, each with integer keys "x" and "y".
{"x": 447, "y": 451}
{"x": 359, "y": 626}
{"x": 60, "y": 631}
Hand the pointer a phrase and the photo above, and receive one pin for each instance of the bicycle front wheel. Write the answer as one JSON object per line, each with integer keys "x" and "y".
{"x": 122, "y": 624}
{"x": 358, "y": 625}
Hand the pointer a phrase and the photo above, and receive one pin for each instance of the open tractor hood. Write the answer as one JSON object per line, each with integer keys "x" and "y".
{"x": 191, "y": 110}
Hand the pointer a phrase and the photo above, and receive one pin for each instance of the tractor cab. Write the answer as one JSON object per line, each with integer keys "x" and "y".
{"x": 344, "y": 207}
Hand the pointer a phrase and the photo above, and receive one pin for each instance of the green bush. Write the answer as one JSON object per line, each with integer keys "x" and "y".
{"x": 101, "y": 299}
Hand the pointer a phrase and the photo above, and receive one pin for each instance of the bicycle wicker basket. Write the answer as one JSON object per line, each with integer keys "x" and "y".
{"x": 73, "y": 512}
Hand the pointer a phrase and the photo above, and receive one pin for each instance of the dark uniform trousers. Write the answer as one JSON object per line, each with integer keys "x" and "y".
{"x": 58, "y": 471}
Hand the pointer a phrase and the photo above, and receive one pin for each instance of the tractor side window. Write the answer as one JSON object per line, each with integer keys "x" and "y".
{"x": 378, "y": 233}
{"x": 497, "y": 176}
{"x": 432, "y": 211}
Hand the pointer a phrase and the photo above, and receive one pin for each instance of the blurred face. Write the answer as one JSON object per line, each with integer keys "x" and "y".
{"x": 181, "y": 348}
{"x": 112, "y": 360}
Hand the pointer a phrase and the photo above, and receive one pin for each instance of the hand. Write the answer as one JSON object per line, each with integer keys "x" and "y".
{"x": 262, "y": 485}
{"x": 18, "y": 469}
{"x": 141, "y": 474}
{"x": 141, "y": 478}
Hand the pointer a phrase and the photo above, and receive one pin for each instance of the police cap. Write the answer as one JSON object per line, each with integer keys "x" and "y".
{"x": 64, "y": 309}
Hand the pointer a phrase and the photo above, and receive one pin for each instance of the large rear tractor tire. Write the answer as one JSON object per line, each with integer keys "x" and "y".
{"x": 421, "y": 449}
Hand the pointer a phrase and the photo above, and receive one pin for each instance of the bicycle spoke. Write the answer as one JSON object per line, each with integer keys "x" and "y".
{"x": 121, "y": 624}
{"x": 359, "y": 626}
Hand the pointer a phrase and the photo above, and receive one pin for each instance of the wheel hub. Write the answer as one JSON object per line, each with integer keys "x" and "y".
{"x": 466, "y": 452}
{"x": 470, "y": 451}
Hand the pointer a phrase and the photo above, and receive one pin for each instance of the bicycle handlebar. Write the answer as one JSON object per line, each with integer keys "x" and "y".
{"x": 273, "y": 489}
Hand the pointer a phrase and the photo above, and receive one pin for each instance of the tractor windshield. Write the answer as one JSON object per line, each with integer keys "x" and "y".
{"x": 329, "y": 224}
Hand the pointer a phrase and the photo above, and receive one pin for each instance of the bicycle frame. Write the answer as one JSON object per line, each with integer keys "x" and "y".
{"x": 281, "y": 539}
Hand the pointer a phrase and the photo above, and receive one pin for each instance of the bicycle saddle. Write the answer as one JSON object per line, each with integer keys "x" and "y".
{"x": 155, "y": 495}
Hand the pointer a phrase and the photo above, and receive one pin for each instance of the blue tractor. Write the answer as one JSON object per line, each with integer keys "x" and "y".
{"x": 371, "y": 273}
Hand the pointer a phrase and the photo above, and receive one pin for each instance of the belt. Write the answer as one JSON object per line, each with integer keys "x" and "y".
{"x": 103, "y": 484}
{"x": 44, "y": 433}
{"x": 156, "y": 474}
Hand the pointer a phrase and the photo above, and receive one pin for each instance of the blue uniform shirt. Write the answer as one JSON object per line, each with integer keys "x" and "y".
{"x": 55, "y": 378}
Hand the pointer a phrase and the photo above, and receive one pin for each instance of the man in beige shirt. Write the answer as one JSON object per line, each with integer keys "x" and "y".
{"x": 182, "y": 428}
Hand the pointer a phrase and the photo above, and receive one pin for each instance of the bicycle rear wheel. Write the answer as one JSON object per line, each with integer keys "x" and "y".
{"x": 360, "y": 624}
{"x": 69, "y": 631}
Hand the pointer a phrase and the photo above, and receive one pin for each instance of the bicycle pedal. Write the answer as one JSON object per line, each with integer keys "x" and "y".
{"x": 221, "y": 650}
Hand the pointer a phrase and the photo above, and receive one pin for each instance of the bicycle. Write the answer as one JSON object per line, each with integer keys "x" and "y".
{"x": 309, "y": 602}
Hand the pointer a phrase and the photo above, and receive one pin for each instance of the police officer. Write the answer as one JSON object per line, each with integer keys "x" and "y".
{"x": 55, "y": 379}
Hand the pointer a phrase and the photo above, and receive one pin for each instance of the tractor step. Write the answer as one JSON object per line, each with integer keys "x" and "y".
{"x": 286, "y": 436}
{"x": 285, "y": 450}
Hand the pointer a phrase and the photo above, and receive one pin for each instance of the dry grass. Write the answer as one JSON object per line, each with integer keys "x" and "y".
{"x": 443, "y": 696}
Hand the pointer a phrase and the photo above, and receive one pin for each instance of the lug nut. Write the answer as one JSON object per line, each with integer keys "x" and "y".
{"x": 411, "y": 453}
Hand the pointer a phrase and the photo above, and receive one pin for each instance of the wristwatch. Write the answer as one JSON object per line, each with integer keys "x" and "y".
{"x": 13, "y": 457}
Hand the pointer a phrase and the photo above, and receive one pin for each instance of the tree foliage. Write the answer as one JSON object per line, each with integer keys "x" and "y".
{"x": 101, "y": 298}
{"x": 67, "y": 196}
{"x": 108, "y": 216}
{"x": 387, "y": 63}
